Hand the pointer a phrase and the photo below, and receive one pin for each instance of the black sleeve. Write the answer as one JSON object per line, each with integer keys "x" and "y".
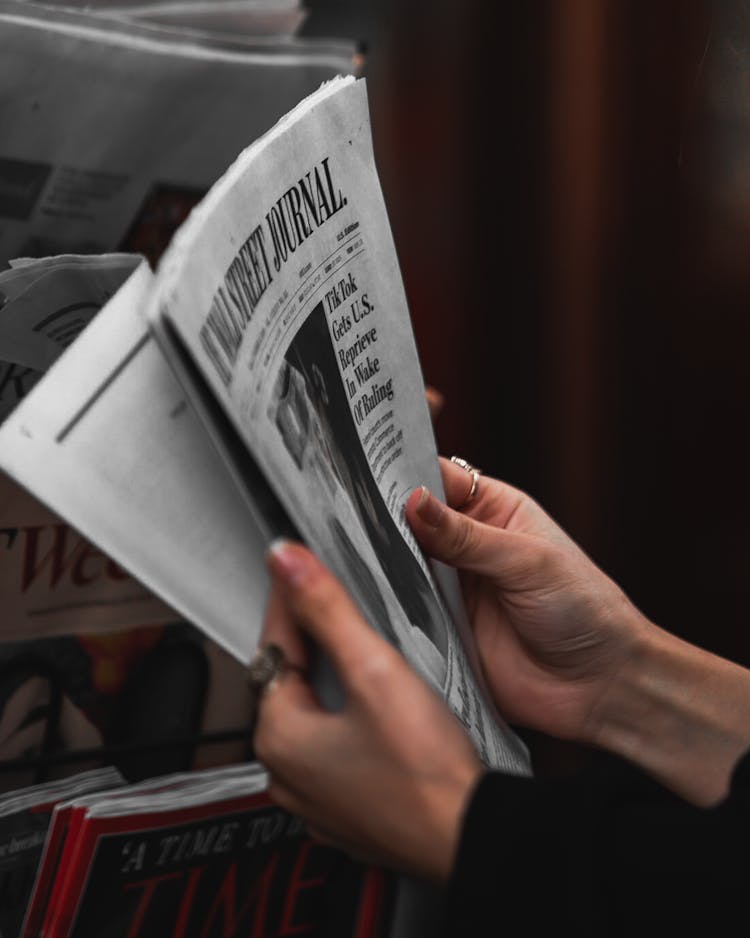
{"x": 605, "y": 854}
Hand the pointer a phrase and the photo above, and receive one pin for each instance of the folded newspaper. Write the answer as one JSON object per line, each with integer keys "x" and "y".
{"x": 264, "y": 380}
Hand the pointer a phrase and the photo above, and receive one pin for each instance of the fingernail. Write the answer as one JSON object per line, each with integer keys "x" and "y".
{"x": 429, "y": 508}
{"x": 288, "y": 562}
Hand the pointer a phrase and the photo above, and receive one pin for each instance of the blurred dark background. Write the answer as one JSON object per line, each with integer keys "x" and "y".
{"x": 569, "y": 187}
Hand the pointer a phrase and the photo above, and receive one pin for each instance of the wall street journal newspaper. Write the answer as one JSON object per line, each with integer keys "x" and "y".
{"x": 283, "y": 289}
{"x": 281, "y": 309}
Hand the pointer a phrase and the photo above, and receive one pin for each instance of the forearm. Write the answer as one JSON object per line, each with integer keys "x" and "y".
{"x": 680, "y": 713}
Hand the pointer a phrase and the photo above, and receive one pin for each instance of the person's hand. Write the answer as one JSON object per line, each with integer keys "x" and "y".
{"x": 551, "y": 629}
{"x": 387, "y": 777}
{"x": 564, "y": 651}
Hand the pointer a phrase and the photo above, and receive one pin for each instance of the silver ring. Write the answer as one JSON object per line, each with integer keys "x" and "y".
{"x": 265, "y": 668}
{"x": 473, "y": 472}
{"x": 268, "y": 665}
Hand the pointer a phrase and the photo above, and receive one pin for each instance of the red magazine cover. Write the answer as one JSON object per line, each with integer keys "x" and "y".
{"x": 66, "y": 851}
{"x": 48, "y": 866}
{"x": 47, "y": 879}
{"x": 60, "y": 843}
{"x": 234, "y": 867}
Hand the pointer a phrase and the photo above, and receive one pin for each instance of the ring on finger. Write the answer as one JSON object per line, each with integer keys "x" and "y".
{"x": 268, "y": 665}
{"x": 473, "y": 472}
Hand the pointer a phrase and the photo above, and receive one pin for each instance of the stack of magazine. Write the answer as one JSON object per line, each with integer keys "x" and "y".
{"x": 193, "y": 854}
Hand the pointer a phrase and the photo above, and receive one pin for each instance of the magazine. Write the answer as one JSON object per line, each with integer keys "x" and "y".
{"x": 25, "y": 817}
{"x": 280, "y": 308}
{"x": 47, "y": 884}
{"x": 201, "y": 855}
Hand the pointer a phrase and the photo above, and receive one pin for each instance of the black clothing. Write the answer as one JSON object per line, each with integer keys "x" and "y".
{"x": 607, "y": 853}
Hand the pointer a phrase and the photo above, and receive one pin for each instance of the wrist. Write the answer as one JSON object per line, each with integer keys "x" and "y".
{"x": 679, "y": 712}
{"x": 449, "y": 805}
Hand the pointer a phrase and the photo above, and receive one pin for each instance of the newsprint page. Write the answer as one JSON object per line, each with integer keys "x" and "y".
{"x": 283, "y": 287}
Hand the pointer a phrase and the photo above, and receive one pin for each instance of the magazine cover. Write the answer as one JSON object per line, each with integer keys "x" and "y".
{"x": 47, "y": 883}
{"x": 227, "y": 868}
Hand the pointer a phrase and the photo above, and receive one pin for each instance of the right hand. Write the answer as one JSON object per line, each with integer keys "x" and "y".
{"x": 552, "y": 630}
{"x": 388, "y": 776}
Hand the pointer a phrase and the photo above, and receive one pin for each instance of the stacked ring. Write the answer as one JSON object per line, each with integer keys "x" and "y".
{"x": 473, "y": 472}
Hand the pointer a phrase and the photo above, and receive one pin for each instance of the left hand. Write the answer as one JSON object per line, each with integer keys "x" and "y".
{"x": 386, "y": 778}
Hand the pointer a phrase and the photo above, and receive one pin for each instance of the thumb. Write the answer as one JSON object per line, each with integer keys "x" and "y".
{"x": 321, "y": 606}
{"x": 456, "y": 539}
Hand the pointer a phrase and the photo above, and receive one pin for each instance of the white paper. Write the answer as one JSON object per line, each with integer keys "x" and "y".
{"x": 108, "y": 441}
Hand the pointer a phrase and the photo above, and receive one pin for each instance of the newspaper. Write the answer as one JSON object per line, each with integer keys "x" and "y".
{"x": 110, "y": 444}
{"x": 281, "y": 297}
{"x": 114, "y": 129}
{"x": 52, "y": 580}
{"x": 250, "y": 17}
{"x": 43, "y": 307}
{"x": 280, "y": 307}
{"x": 103, "y": 152}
